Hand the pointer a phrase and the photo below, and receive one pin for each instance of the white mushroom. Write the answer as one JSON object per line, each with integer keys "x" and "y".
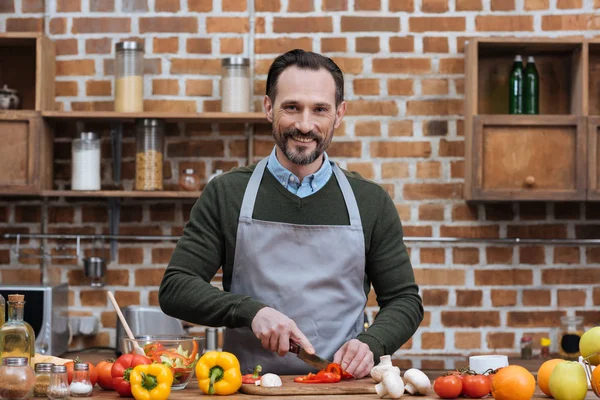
{"x": 385, "y": 363}
{"x": 415, "y": 381}
{"x": 270, "y": 380}
{"x": 391, "y": 385}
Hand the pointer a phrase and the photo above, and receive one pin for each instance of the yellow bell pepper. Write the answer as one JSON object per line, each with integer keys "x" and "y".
{"x": 151, "y": 382}
{"x": 218, "y": 372}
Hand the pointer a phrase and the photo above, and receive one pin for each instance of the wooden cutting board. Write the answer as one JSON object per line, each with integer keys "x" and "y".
{"x": 291, "y": 388}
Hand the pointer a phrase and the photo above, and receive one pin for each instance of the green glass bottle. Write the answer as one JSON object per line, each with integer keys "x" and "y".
{"x": 531, "y": 92}
{"x": 515, "y": 96}
{"x": 17, "y": 338}
{"x": 2, "y": 308}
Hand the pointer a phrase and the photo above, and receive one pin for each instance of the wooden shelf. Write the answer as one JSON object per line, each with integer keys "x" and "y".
{"x": 159, "y": 194}
{"x": 252, "y": 117}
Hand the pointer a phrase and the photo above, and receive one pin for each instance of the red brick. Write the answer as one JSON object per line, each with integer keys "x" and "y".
{"x": 435, "y": 128}
{"x": 596, "y": 296}
{"x": 131, "y": 255}
{"x": 65, "y": 47}
{"x": 349, "y": 65}
{"x": 127, "y": 298}
{"x": 134, "y": 6}
{"x": 75, "y": 68}
{"x": 503, "y": 5}
{"x": 538, "y": 231}
{"x": 592, "y": 255}
{"x": 300, "y": 6}
{"x": 570, "y": 22}
{"x": 457, "y": 169}
{"x": 503, "y": 298}
{"x": 93, "y": 298}
{"x": 335, "y": 5}
{"x": 571, "y": 298}
{"x": 465, "y": 255}
{"x": 434, "y": 87}
{"x": 198, "y": 46}
{"x": 98, "y": 88}
{"x": 165, "y": 45}
{"x": 432, "y": 256}
{"x": 431, "y": 212}
{"x": 366, "y": 86}
{"x": 533, "y": 5}
{"x": 402, "y": 65}
{"x": 470, "y": 319}
{"x": 198, "y": 87}
{"x": 58, "y": 26}
{"x": 367, "y": 107}
{"x": 402, "y": 5}
{"x": 434, "y": 107}
{"x": 367, "y": 45}
{"x": 345, "y": 149}
{"x": 390, "y": 170}
{"x": 437, "y": 24}
{"x": 166, "y": 6}
{"x": 499, "y": 255}
{"x": 302, "y": 24}
{"x": 435, "y": 45}
{"x": 432, "y": 340}
{"x": 503, "y": 23}
{"x": 148, "y": 277}
{"x": 68, "y": 5}
{"x": 402, "y": 44}
{"x": 469, "y": 298}
{"x": 332, "y": 45}
{"x": 234, "y": 5}
{"x": 428, "y": 169}
{"x": 439, "y": 277}
{"x": 571, "y": 276}
{"x": 173, "y": 24}
{"x": 566, "y": 255}
{"x": 452, "y": 66}
{"x": 417, "y": 230}
{"x": 503, "y": 277}
{"x": 165, "y": 87}
{"x": 468, "y": 5}
{"x": 27, "y": 6}
{"x": 454, "y": 148}
{"x": 400, "y": 128}
{"x": 161, "y": 255}
{"x": 231, "y": 46}
{"x": 400, "y": 149}
{"x": 102, "y": 5}
{"x": 205, "y": 5}
{"x": 400, "y": 87}
{"x": 24, "y": 25}
{"x": 195, "y": 66}
{"x": 567, "y": 4}
{"x": 434, "y": 6}
{"x": 370, "y": 24}
{"x": 367, "y": 128}
{"x": 464, "y": 212}
{"x": 435, "y": 297}
{"x": 467, "y": 340}
{"x": 367, "y": 5}
{"x": 500, "y": 340}
{"x": 536, "y": 298}
{"x": 532, "y": 255}
{"x": 424, "y": 191}
{"x": 101, "y": 25}
{"x": 526, "y": 319}
{"x": 364, "y": 169}
{"x": 281, "y": 45}
{"x": 98, "y": 46}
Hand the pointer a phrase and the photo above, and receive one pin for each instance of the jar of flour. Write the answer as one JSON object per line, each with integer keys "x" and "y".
{"x": 235, "y": 84}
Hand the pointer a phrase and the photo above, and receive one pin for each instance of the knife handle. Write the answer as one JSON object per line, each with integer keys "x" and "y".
{"x": 294, "y": 347}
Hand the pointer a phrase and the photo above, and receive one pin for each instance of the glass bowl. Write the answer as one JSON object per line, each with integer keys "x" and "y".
{"x": 180, "y": 353}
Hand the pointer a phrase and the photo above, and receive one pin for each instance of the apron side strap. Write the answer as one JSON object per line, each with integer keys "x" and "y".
{"x": 349, "y": 197}
{"x": 252, "y": 190}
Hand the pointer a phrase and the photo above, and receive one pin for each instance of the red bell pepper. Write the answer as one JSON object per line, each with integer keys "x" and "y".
{"x": 253, "y": 377}
{"x": 121, "y": 369}
{"x": 333, "y": 373}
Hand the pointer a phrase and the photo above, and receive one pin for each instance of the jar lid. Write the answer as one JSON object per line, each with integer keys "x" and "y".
{"x": 43, "y": 367}
{"x": 545, "y": 341}
{"x": 59, "y": 368}
{"x": 235, "y": 61}
{"x": 525, "y": 339}
{"x": 88, "y": 136}
{"x": 15, "y": 361}
{"x": 81, "y": 367}
{"x": 189, "y": 171}
{"x": 129, "y": 45}
{"x": 150, "y": 122}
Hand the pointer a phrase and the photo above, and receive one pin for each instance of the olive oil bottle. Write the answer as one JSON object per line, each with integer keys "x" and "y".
{"x": 17, "y": 338}
{"x": 531, "y": 92}
{"x": 515, "y": 95}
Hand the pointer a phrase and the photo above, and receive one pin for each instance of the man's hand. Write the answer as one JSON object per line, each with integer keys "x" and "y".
{"x": 275, "y": 330}
{"x": 355, "y": 357}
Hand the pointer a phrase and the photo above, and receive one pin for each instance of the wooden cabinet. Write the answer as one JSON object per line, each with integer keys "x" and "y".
{"x": 594, "y": 158}
{"x": 545, "y": 157}
{"x": 25, "y": 153}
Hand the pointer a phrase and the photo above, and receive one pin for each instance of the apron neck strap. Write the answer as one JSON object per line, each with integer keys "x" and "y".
{"x": 254, "y": 183}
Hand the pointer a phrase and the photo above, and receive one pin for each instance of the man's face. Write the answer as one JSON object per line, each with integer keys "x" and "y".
{"x": 304, "y": 114}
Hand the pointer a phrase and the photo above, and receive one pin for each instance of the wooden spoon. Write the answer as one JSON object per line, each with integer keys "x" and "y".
{"x": 136, "y": 347}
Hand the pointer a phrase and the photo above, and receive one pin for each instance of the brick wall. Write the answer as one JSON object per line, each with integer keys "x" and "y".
{"x": 404, "y": 129}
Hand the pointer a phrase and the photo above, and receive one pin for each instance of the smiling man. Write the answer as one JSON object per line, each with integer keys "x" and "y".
{"x": 300, "y": 242}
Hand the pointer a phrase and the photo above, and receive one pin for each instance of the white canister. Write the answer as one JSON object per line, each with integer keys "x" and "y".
{"x": 235, "y": 84}
{"x": 85, "y": 164}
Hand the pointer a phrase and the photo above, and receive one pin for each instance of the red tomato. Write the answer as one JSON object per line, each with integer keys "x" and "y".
{"x": 105, "y": 380}
{"x": 476, "y": 386}
{"x": 447, "y": 387}
{"x": 71, "y": 365}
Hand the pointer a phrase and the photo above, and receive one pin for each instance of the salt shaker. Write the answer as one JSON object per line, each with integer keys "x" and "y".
{"x": 59, "y": 384}
{"x": 81, "y": 385}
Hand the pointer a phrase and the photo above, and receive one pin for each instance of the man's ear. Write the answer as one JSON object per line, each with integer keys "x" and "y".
{"x": 268, "y": 105}
{"x": 339, "y": 114}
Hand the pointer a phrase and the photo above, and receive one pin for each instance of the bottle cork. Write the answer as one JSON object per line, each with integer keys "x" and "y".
{"x": 16, "y": 297}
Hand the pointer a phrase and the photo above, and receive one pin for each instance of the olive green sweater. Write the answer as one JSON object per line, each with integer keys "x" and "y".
{"x": 208, "y": 243}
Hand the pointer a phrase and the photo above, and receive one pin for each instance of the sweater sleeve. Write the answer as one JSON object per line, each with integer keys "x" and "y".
{"x": 391, "y": 274}
{"x": 185, "y": 291}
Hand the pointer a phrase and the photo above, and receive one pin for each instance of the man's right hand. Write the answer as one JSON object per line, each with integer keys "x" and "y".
{"x": 275, "y": 330}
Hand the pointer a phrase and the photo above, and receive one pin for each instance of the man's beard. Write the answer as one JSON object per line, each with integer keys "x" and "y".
{"x": 299, "y": 156}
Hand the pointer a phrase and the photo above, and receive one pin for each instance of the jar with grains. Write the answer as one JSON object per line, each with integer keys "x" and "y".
{"x": 16, "y": 379}
{"x": 81, "y": 386}
{"x": 235, "y": 84}
{"x": 42, "y": 379}
{"x": 129, "y": 77}
{"x": 189, "y": 180}
{"x": 59, "y": 384}
{"x": 149, "y": 154}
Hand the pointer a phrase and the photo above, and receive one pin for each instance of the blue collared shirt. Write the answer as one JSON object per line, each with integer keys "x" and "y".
{"x": 310, "y": 184}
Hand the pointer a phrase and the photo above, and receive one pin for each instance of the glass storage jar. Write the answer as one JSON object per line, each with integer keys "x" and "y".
{"x": 81, "y": 386}
{"x": 59, "y": 384}
{"x": 189, "y": 180}
{"x": 42, "y": 379}
{"x": 16, "y": 379}
{"x": 129, "y": 77}
{"x": 149, "y": 155}
{"x": 571, "y": 329}
{"x": 235, "y": 84}
{"x": 86, "y": 160}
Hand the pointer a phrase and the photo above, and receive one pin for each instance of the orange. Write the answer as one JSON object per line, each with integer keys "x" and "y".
{"x": 513, "y": 383}
{"x": 596, "y": 380}
{"x": 543, "y": 374}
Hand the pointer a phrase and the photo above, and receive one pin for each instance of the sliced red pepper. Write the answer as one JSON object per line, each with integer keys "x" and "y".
{"x": 253, "y": 377}
{"x": 333, "y": 373}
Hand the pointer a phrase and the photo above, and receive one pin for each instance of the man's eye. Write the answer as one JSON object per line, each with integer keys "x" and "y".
{"x": 321, "y": 109}
{"x": 291, "y": 108}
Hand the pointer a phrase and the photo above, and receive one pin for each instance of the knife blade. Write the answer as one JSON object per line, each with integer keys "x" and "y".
{"x": 311, "y": 359}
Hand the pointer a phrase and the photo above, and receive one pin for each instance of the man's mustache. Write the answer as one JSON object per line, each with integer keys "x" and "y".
{"x": 295, "y": 132}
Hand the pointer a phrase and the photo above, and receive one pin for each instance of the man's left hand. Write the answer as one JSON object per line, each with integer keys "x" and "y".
{"x": 355, "y": 357}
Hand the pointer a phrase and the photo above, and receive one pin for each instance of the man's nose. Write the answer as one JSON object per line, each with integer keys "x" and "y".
{"x": 304, "y": 124}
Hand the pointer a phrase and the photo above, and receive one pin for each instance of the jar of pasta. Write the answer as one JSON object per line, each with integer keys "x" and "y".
{"x": 149, "y": 155}
{"x": 129, "y": 77}
{"x": 571, "y": 329}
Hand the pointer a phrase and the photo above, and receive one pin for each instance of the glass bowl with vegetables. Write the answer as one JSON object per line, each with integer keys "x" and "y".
{"x": 180, "y": 353}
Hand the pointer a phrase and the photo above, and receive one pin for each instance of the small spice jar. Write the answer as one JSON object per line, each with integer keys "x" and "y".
{"x": 526, "y": 347}
{"x": 545, "y": 347}
{"x": 81, "y": 385}
{"x": 129, "y": 77}
{"x": 16, "y": 379}
{"x": 149, "y": 154}
{"x": 42, "y": 379}
{"x": 189, "y": 180}
{"x": 86, "y": 160}
{"x": 235, "y": 84}
{"x": 59, "y": 384}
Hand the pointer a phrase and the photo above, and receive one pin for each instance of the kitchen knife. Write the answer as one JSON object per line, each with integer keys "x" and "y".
{"x": 311, "y": 359}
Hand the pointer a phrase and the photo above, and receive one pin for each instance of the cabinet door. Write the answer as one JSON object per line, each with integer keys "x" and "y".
{"x": 594, "y": 158}
{"x": 25, "y": 153}
{"x": 519, "y": 157}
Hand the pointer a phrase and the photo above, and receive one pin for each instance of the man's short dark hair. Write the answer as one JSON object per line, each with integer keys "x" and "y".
{"x": 305, "y": 60}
